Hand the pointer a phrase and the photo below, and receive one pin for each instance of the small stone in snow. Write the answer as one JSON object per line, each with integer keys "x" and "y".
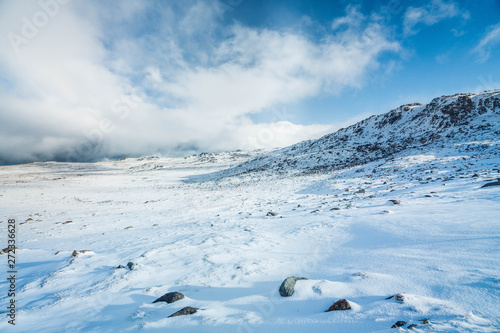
{"x": 287, "y": 286}
{"x": 170, "y": 297}
{"x": 131, "y": 265}
{"x": 270, "y": 213}
{"x": 336, "y": 208}
{"x": 399, "y": 324}
{"x": 341, "y": 304}
{"x": 399, "y": 297}
{"x": 120, "y": 266}
{"x": 184, "y": 311}
{"x": 395, "y": 202}
{"x": 412, "y": 326}
{"x": 75, "y": 252}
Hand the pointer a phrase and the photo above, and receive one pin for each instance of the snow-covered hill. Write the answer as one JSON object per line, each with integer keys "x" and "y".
{"x": 400, "y": 210}
{"x": 461, "y": 119}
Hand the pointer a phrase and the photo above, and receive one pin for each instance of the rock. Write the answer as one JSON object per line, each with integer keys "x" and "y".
{"x": 131, "y": 265}
{"x": 428, "y": 196}
{"x": 336, "y": 208}
{"x": 341, "y": 304}
{"x": 184, "y": 311}
{"x": 497, "y": 183}
{"x": 9, "y": 249}
{"x": 399, "y": 297}
{"x": 395, "y": 202}
{"x": 316, "y": 210}
{"x": 360, "y": 274}
{"x": 75, "y": 252}
{"x": 120, "y": 266}
{"x": 287, "y": 286}
{"x": 170, "y": 297}
{"x": 399, "y": 324}
{"x": 412, "y": 326}
{"x": 425, "y": 321}
{"x": 362, "y": 191}
{"x": 67, "y": 222}
{"x": 129, "y": 227}
{"x": 271, "y": 213}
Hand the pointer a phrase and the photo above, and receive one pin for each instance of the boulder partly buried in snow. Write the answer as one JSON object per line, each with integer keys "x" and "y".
{"x": 341, "y": 304}
{"x": 398, "y": 297}
{"x": 271, "y": 213}
{"x": 184, "y": 312}
{"x": 170, "y": 297}
{"x": 497, "y": 183}
{"x": 288, "y": 285}
{"x": 399, "y": 324}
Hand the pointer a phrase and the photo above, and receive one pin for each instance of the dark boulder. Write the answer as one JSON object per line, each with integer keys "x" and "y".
{"x": 184, "y": 312}
{"x": 170, "y": 297}
{"x": 287, "y": 286}
{"x": 399, "y": 324}
{"x": 497, "y": 183}
{"x": 341, "y": 304}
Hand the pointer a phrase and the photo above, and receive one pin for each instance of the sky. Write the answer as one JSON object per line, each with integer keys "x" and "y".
{"x": 100, "y": 79}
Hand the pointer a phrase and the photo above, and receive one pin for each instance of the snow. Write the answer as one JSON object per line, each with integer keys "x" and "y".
{"x": 213, "y": 242}
{"x": 391, "y": 205}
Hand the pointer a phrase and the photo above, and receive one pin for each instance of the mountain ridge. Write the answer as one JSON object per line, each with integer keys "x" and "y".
{"x": 445, "y": 121}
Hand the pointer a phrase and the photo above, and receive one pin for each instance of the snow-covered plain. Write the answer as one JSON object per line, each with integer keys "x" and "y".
{"x": 212, "y": 241}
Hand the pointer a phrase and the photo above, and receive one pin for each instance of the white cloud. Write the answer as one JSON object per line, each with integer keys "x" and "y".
{"x": 88, "y": 87}
{"x": 434, "y": 12}
{"x": 352, "y": 19}
{"x": 490, "y": 40}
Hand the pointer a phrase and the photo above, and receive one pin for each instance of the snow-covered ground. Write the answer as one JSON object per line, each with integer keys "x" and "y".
{"x": 212, "y": 241}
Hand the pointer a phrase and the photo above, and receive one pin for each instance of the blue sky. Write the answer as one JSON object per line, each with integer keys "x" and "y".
{"x": 91, "y": 80}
